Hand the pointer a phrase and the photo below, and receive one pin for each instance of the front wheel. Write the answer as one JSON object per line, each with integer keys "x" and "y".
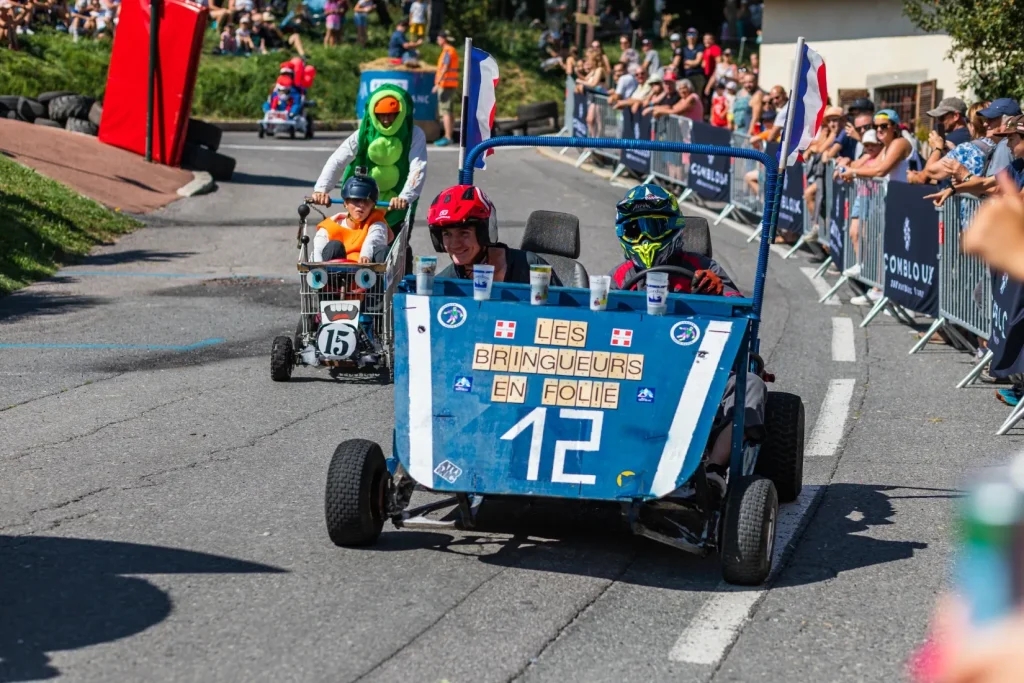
{"x": 282, "y": 359}
{"x": 261, "y": 131}
{"x": 748, "y": 531}
{"x": 356, "y": 493}
{"x": 291, "y": 131}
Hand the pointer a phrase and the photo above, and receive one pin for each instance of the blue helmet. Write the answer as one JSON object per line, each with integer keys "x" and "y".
{"x": 649, "y": 225}
{"x": 360, "y": 186}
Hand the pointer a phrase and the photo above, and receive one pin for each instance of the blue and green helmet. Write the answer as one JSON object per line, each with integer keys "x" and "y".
{"x": 649, "y": 225}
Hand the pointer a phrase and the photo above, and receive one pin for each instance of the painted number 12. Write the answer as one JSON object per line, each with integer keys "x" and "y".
{"x": 536, "y": 419}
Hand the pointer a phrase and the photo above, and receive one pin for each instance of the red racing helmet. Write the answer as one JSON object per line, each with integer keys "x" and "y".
{"x": 463, "y": 206}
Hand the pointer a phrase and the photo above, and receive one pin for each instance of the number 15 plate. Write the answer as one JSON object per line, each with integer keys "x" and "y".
{"x": 499, "y": 397}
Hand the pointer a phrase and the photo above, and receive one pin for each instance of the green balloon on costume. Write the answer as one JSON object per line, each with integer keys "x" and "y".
{"x": 387, "y": 196}
{"x": 385, "y": 151}
{"x": 386, "y": 177}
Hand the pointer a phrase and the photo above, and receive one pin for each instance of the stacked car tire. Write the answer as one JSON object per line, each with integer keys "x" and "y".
{"x": 58, "y": 109}
{"x": 200, "y": 153}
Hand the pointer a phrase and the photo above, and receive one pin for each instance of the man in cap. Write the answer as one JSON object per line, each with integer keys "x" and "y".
{"x": 652, "y": 62}
{"x": 693, "y": 61}
{"x": 1001, "y": 109}
{"x": 951, "y": 116}
{"x": 392, "y": 149}
{"x": 446, "y": 83}
{"x": 676, "y": 41}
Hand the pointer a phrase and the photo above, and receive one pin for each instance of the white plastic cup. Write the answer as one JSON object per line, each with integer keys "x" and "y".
{"x": 599, "y": 286}
{"x": 483, "y": 279}
{"x": 425, "y": 268}
{"x": 540, "y": 281}
{"x": 657, "y": 293}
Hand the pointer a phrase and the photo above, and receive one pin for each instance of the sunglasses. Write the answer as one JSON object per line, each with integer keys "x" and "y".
{"x": 865, "y": 128}
{"x": 882, "y": 126}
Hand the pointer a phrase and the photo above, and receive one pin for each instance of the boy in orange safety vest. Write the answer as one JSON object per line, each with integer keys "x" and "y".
{"x": 446, "y": 82}
{"x": 364, "y": 231}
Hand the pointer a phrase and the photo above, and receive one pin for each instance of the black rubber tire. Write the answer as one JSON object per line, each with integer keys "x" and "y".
{"x": 203, "y": 134}
{"x": 76, "y": 125}
{"x": 13, "y": 115}
{"x": 291, "y": 132}
{"x": 70, "y": 107}
{"x": 45, "y": 97}
{"x": 309, "y": 127}
{"x": 261, "y": 132}
{"x": 221, "y": 167}
{"x": 96, "y": 114}
{"x": 748, "y": 531}
{"x": 697, "y": 236}
{"x": 49, "y": 123}
{"x": 357, "y": 482}
{"x": 282, "y": 359}
{"x": 29, "y": 110}
{"x": 3, "y": 110}
{"x": 10, "y": 101}
{"x": 536, "y": 110}
{"x": 781, "y": 457}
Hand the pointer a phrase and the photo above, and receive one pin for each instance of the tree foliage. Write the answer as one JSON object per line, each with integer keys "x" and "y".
{"x": 987, "y": 44}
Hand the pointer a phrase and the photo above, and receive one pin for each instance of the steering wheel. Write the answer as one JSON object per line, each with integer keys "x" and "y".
{"x": 678, "y": 270}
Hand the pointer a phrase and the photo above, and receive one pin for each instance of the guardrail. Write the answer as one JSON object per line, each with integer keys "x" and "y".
{"x": 669, "y": 166}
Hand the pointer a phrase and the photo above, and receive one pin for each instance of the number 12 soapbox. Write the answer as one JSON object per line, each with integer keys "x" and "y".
{"x": 501, "y": 397}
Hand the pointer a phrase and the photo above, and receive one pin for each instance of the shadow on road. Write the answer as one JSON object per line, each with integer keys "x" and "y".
{"x": 69, "y": 593}
{"x": 560, "y": 536}
{"x": 239, "y": 178}
{"x": 34, "y": 302}
{"x": 133, "y": 256}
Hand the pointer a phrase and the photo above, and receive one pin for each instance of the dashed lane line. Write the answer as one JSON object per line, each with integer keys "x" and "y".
{"x": 828, "y": 430}
{"x": 718, "y": 623}
{"x": 843, "y": 348}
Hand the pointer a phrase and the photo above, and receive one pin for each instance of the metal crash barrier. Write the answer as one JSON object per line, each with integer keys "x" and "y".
{"x": 744, "y": 196}
{"x": 672, "y": 167}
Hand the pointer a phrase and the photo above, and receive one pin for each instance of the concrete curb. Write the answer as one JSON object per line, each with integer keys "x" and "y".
{"x": 251, "y": 126}
{"x": 202, "y": 183}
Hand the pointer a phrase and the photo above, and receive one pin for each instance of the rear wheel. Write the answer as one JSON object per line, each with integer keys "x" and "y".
{"x": 282, "y": 359}
{"x": 291, "y": 132}
{"x": 748, "y": 531}
{"x": 261, "y": 132}
{"x": 354, "y": 500}
{"x": 781, "y": 457}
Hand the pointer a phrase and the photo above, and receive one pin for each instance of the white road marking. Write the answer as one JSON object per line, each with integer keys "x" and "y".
{"x": 843, "y": 348}
{"x": 820, "y": 285}
{"x": 828, "y": 430}
{"x": 421, "y": 403}
{"x": 719, "y": 621}
{"x": 688, "y": 410}
{"x": 781, "y": 249}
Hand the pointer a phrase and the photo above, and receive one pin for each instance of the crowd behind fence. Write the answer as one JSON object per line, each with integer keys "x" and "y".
{"x": 882, "y": 236}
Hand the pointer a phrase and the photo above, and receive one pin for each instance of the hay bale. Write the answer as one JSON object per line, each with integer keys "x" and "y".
{"x": 384, "y": 64}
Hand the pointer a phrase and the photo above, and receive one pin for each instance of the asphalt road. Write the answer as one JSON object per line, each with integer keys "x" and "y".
{"x": 163, "y": 499}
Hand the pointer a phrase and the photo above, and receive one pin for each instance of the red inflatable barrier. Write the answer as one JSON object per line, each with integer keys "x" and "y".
{"x": 181, "y": 27}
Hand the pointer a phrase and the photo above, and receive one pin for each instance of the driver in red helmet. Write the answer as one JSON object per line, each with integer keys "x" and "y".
{"x": 464, "y": 224}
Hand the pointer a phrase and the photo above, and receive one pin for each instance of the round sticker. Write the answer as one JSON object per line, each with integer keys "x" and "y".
{"x": 336, "y": 340}
{"x": 316, "y": 278}
{"x": 685, "y": 333}
{"x": 451, "y": 315}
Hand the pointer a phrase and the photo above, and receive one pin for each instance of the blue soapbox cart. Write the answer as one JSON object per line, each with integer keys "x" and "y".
{"x": 504, "y": 398}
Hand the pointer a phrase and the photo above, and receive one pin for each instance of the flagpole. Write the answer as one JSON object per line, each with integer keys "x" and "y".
{"x": 786, "y": 136}
{"x": 463, "y": 122}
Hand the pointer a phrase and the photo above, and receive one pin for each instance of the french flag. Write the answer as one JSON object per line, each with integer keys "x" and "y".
{"x": 480, "y": 101}
{"x": 807, "y": 108}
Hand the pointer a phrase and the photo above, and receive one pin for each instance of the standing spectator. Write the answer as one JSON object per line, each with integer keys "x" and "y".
{"x": 676, "y": 41}
{"x": 817, "y": 154}
{"x": 726, "y": 69}
{"x": 693, "y": 60}
{"x": 780, "y": 104}
{"x": 846, "y": 148}
{"x": 333, "y": 18}
{"x": 639, "y": 94}
{"x": 629, "y": 56}
{"x": 361, "y": 18}
{"x": 711, "y": 54}
{"x": 746, "y": 108}
{"x": 8, "y": 25}
{"x": 976, "y": 122}
{"x": 652, "y": 62}
{"x": 755, "y": 63}
{"x": 606, "y": 66}
{"x": 689, "y": 104}
{"x": 572, "y": 61}
{"x": 952, "y": 119}
{"x": 418, "y": 18}
{"x": 401, "y": 48}
{"x": 625, "y": 85}
{"x": 556, "y": 10}
{"x": 446, "y": 83}
{"x": 594, "y": 79}
{"x": 720, "y": 106}
{"x": 665, "y": 99}
{"x": 1001, "y": 109}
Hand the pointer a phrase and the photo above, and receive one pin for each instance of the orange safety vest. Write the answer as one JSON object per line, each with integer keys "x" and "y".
{"x": 449, "y": 78}
{"x": 353, "y": 238}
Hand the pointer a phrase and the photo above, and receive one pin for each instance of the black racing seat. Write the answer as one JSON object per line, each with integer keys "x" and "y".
{"x": 555, "y": 236}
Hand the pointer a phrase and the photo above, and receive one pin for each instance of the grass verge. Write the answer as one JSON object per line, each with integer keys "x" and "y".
{"x": 45, "y": 225}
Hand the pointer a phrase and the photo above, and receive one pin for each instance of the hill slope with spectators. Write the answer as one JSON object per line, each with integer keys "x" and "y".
{"x": 230, "y": 87}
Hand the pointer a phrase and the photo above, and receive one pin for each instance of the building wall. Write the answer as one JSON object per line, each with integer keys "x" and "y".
{"x": 865, "y": 44}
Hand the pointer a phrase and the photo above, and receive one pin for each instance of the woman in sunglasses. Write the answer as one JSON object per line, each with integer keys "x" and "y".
{"x": 893, "y": 162}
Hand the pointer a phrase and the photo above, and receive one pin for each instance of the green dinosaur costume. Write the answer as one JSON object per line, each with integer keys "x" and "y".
{"x": 385, "y": 151}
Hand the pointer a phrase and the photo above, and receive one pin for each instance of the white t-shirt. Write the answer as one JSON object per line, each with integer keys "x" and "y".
{"x": 417, "y": 13}
{"x": 376, "y": 238}
{"x": 780, "y": 116}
